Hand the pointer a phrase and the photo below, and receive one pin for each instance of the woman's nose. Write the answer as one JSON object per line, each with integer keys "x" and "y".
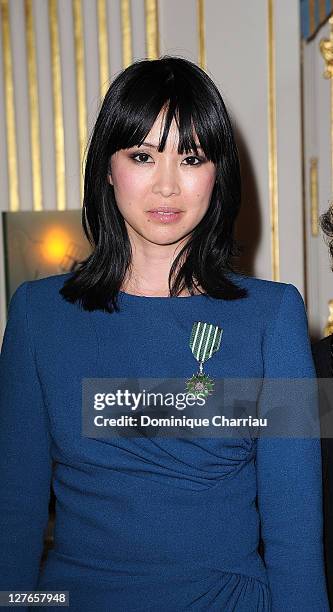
{"x": 166, "y": 181}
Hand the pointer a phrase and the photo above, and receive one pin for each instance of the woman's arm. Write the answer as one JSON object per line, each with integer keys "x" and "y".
{"x": 289, "y": 477}
{"x": 25, "y": 459}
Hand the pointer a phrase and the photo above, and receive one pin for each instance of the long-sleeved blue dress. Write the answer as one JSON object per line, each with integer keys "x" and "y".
{"x": 153, "y": 524}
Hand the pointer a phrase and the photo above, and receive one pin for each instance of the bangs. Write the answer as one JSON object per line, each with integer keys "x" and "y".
{"x": 188, "y": 104}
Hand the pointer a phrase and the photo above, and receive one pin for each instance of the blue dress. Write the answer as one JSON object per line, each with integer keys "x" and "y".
{"x": 155, "y": 524}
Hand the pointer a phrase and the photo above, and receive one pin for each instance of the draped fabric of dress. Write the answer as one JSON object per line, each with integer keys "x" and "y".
{"x": 155, "y": 524}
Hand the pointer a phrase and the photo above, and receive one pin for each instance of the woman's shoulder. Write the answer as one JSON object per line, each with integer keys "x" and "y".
{"x": 40, "y": 295}
{"x": 265, "y": 291}
{"x": 258, "y": 284}
{"x": 48, "y": 284}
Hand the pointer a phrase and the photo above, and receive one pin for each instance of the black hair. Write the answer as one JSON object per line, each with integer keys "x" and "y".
{"x": 326, "y": 224}
{"x": 128, "y": 112}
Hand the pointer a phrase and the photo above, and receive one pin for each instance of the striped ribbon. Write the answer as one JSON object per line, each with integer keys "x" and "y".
{"x": 314, "y": 13}
{"x": 205, "y": 340}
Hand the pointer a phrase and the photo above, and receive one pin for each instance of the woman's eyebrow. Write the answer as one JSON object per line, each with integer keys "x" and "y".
{"x": 149, "y": 144}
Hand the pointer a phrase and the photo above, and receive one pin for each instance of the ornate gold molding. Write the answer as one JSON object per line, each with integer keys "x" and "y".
{"x": 59, "y": 140}
{"x": 103, "y": 47}
{"x": 152, "y": 33}
{"x": 272, "y": 144}
{"x": 328, "y": 330}
{"x": 314, "y": 195}
{"x": 33, "y": 107}
{"x": 10, "y": 109}
{"x": 326, "y": 49}
{"x": 126, "y": 29}
{"x": 80, "y": 83}
{"x": 201, "y": 33}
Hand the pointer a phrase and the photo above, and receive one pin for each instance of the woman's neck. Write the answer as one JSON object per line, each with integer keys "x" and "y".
{"x": 148, "y": 274}
{"x": 135, "y": 287}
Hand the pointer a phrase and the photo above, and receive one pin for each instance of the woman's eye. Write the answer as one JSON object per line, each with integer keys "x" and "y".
{"x": 199, "y": 160}
{"x": 139, "y": 155}
{"x": 194, "y": 157}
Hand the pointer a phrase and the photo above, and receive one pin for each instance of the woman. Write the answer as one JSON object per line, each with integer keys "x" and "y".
{"x": 153, "y": 523}
{"x": 323, "y": 358}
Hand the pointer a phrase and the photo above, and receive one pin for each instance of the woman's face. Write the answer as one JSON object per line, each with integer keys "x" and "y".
{"x": 144, "y": 179}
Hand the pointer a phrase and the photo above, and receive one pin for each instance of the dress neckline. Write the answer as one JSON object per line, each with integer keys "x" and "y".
{"x": 135, "y": 297}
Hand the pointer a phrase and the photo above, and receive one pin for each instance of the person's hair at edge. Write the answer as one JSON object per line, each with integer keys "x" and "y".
{"x": 128, "y": 112}
{"x": 326, "y": 224}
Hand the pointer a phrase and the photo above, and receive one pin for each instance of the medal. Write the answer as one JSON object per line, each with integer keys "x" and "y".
{"x": 205, "y": 340}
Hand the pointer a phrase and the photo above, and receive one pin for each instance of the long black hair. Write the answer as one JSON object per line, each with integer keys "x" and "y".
{"x": 128, "y": 112}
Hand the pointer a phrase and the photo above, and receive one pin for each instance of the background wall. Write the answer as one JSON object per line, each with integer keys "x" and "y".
{"x": 318, "y": 164}
{"x": 59, "y": 55}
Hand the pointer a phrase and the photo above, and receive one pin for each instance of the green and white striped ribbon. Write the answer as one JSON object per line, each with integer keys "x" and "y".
{"x": 205, "y": 340}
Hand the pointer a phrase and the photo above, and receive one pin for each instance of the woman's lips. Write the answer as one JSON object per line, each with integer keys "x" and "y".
{"x": 164, "y": 217}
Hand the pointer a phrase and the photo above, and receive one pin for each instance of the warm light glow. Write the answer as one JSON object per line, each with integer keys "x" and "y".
{"x": 55, "y": 245}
